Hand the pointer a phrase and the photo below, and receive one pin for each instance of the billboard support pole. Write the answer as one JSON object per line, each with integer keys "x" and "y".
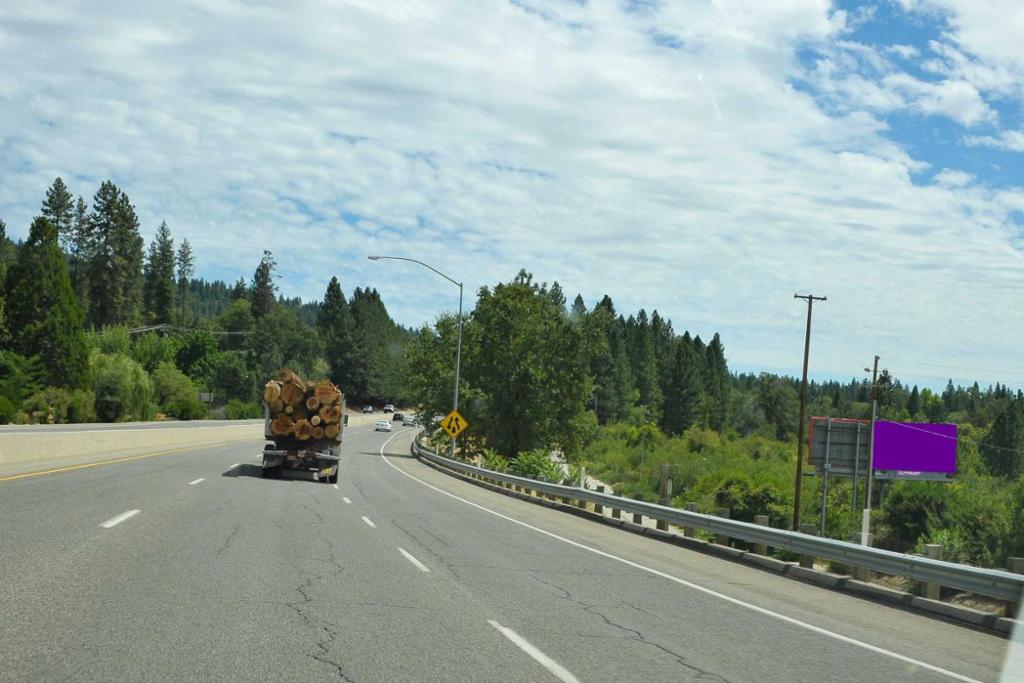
{"x": 803, "y": 405}
{"x": 865, "y": 522}
{"x": 856, "y": 463}
{"x": 824, "y": 480}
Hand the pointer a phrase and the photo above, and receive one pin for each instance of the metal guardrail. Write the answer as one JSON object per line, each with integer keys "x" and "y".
{"x": 991, "y": 582}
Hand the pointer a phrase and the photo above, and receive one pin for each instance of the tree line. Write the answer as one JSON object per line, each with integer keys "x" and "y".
{"x": 77, "y": 295}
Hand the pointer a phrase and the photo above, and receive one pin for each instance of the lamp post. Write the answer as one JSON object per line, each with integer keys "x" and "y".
{"x": 458, "y": 343}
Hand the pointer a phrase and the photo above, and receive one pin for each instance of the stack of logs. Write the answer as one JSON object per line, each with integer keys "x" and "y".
{"x": 303, "y": 410}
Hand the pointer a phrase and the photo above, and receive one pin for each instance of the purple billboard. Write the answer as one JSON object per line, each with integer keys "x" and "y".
{"x": 915, "y": 447}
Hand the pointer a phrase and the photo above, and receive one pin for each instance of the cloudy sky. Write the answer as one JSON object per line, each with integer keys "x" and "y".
{"x": 706, "y": 158}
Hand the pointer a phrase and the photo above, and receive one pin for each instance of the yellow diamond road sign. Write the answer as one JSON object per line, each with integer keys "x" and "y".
{"x": 454, "y": 424}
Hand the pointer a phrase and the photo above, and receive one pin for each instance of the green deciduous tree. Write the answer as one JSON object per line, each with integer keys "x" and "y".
{"x": 42, "y": 314}
{"x": 525, "y": 358}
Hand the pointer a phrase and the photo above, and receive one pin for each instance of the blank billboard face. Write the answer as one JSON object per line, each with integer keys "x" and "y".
{"x": 915, "y": 447}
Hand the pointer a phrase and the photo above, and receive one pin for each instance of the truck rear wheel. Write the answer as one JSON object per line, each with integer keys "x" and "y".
{"x": 272, "y": 472}
{"x": 333, "y": 479}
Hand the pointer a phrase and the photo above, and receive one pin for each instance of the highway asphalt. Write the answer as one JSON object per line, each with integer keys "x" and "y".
{"x": 190, "y": 566}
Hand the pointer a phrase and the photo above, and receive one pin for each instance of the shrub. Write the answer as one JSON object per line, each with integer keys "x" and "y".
{"x": 242, "y": 410}
{"x": 7, "y": 410}
{"x": 49, "y": 406}
{"x": 187, "y": 408}
{"x": 536, "y": 464}
{"x": 171, "y": 385}
{"x": 494, "y": 461}
{"x": 122, "y": 388}
{"x": 82, "y": 406}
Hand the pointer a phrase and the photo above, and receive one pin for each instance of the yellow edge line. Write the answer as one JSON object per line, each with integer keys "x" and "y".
{"x": 71, "y": 468}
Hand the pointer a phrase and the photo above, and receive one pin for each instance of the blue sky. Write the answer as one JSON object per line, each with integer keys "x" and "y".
{"x": 705, "y": 158}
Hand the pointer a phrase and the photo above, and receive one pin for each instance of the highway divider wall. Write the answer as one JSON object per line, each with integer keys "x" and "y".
{"x": 43, "y": 445}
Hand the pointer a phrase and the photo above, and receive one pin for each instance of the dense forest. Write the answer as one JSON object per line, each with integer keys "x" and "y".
{"x": 95, "y": 326}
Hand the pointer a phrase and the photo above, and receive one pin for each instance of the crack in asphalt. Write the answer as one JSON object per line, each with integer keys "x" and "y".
{"x": 632, "y": 633}
{"x": 319, "y": 517}
{"x": 330, "y": 631}
{"x": 227, "y": 541}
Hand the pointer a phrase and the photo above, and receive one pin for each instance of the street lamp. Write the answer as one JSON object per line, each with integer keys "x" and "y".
{"x": 458, "y": 343}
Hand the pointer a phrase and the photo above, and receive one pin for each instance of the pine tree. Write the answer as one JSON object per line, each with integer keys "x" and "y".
{"x": 334, "y": 321}
{"x": 80, "y": 254}
{"x": 115, "y": 269}
{"x": 186, "y": 269}
{"x": 240, "y": 290}
{"x": 44, "y": 319}
{"x": 1003, "y": 447}
{"x": 3, "y": 280}
{"x": 717, "y": 383}
{"x": 579, "y": 309}
{"x": 682, "y": 401}
{"x": 262, "y": 289}
{"x": 58, "y": 208}
{"x": 160, "y": 286}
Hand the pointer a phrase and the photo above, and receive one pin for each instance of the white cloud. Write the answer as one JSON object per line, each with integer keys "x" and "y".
{"x": 686, "y": 174}
{"x": 1011, "y": 140}
{"x": 958, "y": 100}
{"x": 950, "y": 177}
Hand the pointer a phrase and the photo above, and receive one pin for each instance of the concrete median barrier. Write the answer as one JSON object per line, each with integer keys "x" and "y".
{"x": 42, "y": 446}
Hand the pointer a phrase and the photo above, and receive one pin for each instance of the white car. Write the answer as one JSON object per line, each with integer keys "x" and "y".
{"x": 389, "y": 408}
{"x": 382, "y": 426}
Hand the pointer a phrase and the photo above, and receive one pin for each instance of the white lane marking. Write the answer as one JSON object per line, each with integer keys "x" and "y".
{"x": 193, "y": 483}
{"x": 347, "y": 501}
{"x": 335, "y": 487}
{"x": 559, "y": 672}
{"x": 697, "y": 587}
{"x": 114, "y": 521}
{"x": 419, "y": 565}
{"x": 233, "y": 467}
{"x": 369, "y": 522}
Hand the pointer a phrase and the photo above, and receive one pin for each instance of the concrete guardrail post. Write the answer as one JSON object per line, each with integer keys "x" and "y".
{"x": 690, "y": 531}
{"x": 598, "y": 508}
{"x": 761, "y": 548}
{"x": 807, "y": 561}
{"x": 722, "y": 539}
{"x": 932, "y": 588}
{"x": 862, "y": 573}
{"x": 1015, "y": 565}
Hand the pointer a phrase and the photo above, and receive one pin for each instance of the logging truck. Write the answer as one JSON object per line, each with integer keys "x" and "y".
{"x": 303, "y": 423}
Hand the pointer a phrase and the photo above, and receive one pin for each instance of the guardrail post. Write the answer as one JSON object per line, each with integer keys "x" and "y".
{"x": 637, "y": 517}
{"x": 761, "y": 548}
{"x": 862, "y": 573}
{"x": 932, "y": 588}
{"x": 807, "y": 561}
{"x": 690, "y": 531}
{"x": 598, "y": 508}
{"x": 722, "y": 539}
{"x": 1015, "y": 565}
{"x": 616, "y": 512}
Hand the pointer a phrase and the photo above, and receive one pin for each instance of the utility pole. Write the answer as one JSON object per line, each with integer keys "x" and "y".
{"x": 865, "y": 521}
{"x": 810, "y": 298}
